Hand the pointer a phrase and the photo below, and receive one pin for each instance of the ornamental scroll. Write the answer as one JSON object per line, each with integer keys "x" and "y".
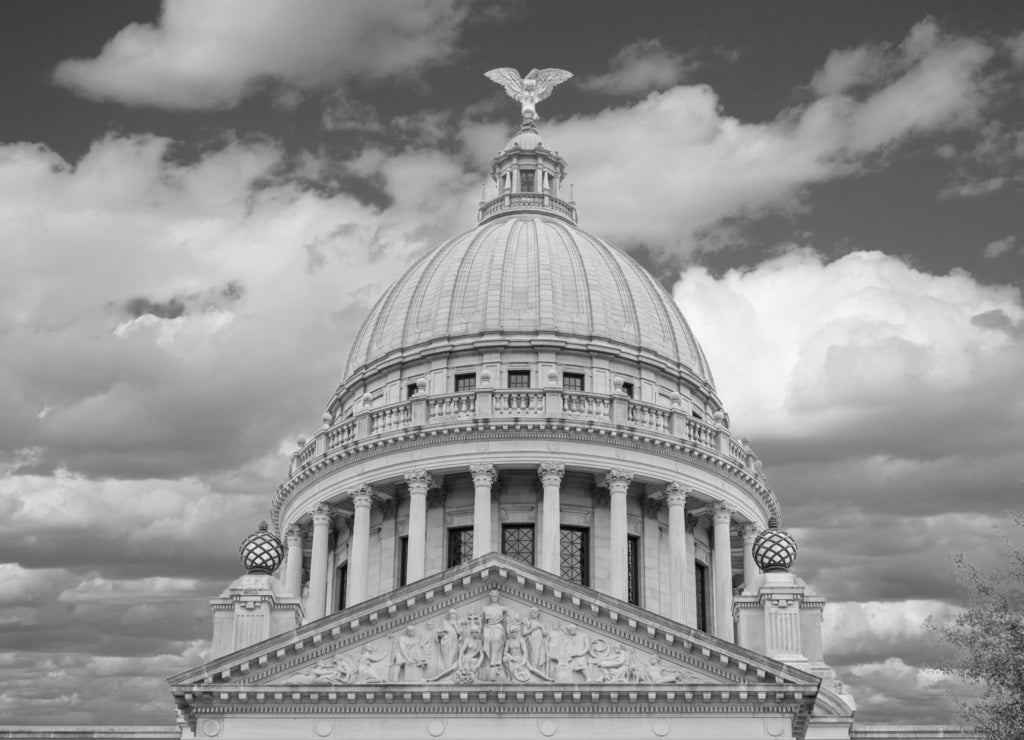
{"x": 492, "y": 643}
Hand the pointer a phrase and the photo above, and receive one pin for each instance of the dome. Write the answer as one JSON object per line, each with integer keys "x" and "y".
{"x": 527, "y": 140}
{"x": 262, "y": 551}
{"x": 774, "y": 549}
{"x": 523, "y": 276}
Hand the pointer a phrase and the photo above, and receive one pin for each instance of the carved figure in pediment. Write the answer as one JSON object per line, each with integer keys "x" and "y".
{"x": 333, "y": 671}
{"x": 655, "y": 672}
{"x": 373, "y": 664}
{"x": 410, "y": 662}
{"x": 448, "y": 636}
{"x": 568, "y": 650}
{"x": 428, "y": 642}
{"x": 609, "y": 663}
{"x": 536, "y": 634}
{"x": 494, "y": 635}
{"x": 516, "y": 659}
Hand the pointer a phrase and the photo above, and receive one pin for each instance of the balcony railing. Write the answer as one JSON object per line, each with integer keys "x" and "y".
{"x": 537, "y": 202}
{"x": 616, "y": 414}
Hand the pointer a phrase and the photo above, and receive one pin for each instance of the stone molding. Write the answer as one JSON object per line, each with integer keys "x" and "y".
{"x": 702, "y": 459}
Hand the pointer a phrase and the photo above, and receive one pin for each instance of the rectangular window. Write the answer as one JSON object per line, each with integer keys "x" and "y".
{"x": 517, "y": 542}
{"x": 465, "y": 382}
{"x": 633, "y": 570}
{"x": 700, "y": 572}
{"x": 518, "y": 378}
{"x": 627, "y": 388}
{"x": 573, "y": 382}
{"x": 460, "y": 545}
{"x": 575, "y": 551}
{"x": 526, "y": 181}
{"x": 403, "y": 562}
{"x": 342, "y": 585}
{"x": 410, "y": 390}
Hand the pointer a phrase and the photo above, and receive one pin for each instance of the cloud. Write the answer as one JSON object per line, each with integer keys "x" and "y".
{"x": 680, "y": 165}
{"x": 999, "y": 247}
{"x": 119, "y": 295}
{"x": 640, "y": 67}
{"x": 211, "y": 55}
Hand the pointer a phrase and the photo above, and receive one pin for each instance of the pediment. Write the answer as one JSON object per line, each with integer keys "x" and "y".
{"x": 494, "y": 622}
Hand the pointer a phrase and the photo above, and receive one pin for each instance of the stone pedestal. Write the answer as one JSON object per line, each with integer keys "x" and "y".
{"x": 253, "y": 608}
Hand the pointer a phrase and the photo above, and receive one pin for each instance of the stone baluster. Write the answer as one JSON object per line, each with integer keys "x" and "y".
{"x": 749, "y": 531}
{"x": 678, "y": 561}
{"x": 483, "y": 478}
{"x": 419, "y": 482}
{"x": 294, "y": 537}
{"x": 359, "y": 548}
{"x": 617, "y": 483}
{"x": 723, "y": 572}
{"x": 550, "y": 539}
{"x": 318, "y": 567}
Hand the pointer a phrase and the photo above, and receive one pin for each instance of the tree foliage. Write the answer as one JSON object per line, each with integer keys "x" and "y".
{"x": 988, "y": 638}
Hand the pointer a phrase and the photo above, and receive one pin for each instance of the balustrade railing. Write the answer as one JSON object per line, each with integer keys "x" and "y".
{"x": 530, "y": 201}
{"x": 390, "y": 418}
{"x": 586, "y": 406}
{"x": 649, "y": 417}
{"x": 593, "y": 408}
{"x": 518, "y": 403}
{"x": 446, "y": 408}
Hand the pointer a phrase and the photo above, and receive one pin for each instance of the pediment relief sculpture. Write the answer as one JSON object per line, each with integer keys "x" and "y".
{"x": 493, "y": 642}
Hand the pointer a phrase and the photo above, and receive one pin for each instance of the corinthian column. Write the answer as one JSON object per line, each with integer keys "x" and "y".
{"x": 419, "y": 482}
{"x": 293, "y": 535}
{"x": 360, "y": 545}
{"x": 550, "y": 536}
{"x": 723, "y": 572}
{"x": 749, "y": 532}
{"x": 318, "y": 565}
{"x": 483, "y": 478}
{"x": 677, "y": 558}
{"x": 617, "y": 482}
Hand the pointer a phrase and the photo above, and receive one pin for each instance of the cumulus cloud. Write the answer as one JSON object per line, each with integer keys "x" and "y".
{"x": 681, "y": 165}
{"x": 211, "y": 55}
{"x": 639, "y": 68}
{"x": 999, "y": 247}
{"x": 119, "y": 295}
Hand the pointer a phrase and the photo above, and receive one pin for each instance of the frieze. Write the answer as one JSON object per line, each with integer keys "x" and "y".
{"x": 492, "y": 642}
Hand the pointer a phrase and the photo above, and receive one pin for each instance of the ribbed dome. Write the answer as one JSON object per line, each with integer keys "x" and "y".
{"x": 522, "y": 275}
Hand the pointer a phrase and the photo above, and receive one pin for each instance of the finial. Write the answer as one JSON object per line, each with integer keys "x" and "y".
{"x": 529, "y": 90}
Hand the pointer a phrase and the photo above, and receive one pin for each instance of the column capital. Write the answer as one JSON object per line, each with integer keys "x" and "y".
{"x": 551, "y": 473}
{"x": 618, "y": 480}
{"x": 651, "y": 506}
{"x": 676, "y": 494}
{"x": 322, "y": 514}
{"x": 294, "y": 534}
{"x": 362, "y": 496}
{"x": 749, "y": 531}
{"x": 483, "y": 474}
{"x": 722, "y": 513}
{"x": 419, "y": 481}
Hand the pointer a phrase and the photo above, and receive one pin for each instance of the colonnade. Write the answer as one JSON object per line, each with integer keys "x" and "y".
{"x": 617, "y": 481}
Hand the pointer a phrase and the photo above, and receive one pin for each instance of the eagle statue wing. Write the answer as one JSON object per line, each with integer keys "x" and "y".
{"x": 509, "y": 79}
{"x": 547, "y": 79}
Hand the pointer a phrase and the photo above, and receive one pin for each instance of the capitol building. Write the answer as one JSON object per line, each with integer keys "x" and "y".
{"x": 524, "y": 514}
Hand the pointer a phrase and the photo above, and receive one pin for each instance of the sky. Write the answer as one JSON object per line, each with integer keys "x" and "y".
{"x": 200, "y": 201}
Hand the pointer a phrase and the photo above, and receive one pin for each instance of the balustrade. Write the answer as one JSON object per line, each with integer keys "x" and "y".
{"x": 586, "y": 406}
{"x": 590, "y": 407}
{"x": 447, "y": 408}
{"x": 516, "y": 201}
{"x": 518, "y": 403}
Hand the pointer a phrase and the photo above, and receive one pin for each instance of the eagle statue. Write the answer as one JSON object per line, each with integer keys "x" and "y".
{"x": 528, "y": 90}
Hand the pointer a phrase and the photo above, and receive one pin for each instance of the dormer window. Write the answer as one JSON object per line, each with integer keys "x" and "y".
{"x": 526, "y": 179}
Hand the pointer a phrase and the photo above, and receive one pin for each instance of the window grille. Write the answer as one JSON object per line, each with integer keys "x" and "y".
{"x": 465, "y": 382}
{"x": 460, "y": 546}
{"x": 518, "y": 378}
{"x": 633, "y": 570}
{"x": 517, "y": 541}
{"x": 575, "y": 551}
{"x": 573, "y": 382}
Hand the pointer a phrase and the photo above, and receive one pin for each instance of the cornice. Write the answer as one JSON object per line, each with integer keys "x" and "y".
{"x": 474, "y": 430}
